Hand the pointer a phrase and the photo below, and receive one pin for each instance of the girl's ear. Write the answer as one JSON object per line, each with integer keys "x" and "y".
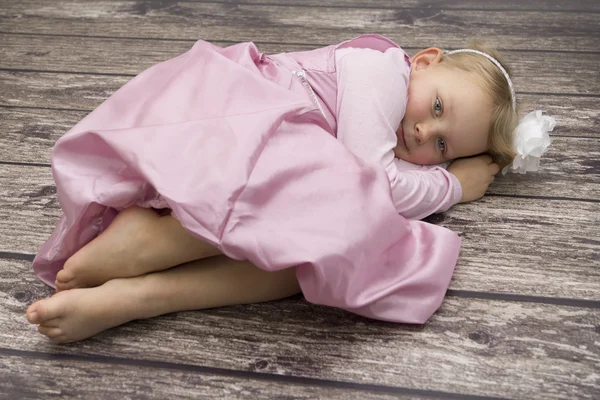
{"x": 426, "y": 58}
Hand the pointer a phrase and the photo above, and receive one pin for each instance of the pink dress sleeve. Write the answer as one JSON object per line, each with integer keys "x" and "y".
{"x": 372, "y": 96}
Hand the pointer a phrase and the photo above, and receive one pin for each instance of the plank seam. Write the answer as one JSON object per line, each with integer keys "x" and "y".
{"x": 261, "y": 376}
{"x": 560, "y": 94}
{"x": 44, "y": 108}
{"x": 8, "y": 255}
{"x": 524, "y": 196}
{"x": 269, "y": 42}
{"x": 52, "y": 71}
{"x": 366, "y": 7}
{"x": 563, "y": 301}
{"x": 10, "y": 106}
{"x": 25, "y": 164}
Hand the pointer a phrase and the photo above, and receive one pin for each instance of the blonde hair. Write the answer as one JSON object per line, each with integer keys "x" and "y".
{"x": 504, "y": 117}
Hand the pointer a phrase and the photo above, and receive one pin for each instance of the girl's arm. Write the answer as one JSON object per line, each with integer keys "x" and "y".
{"x": 419, "y": 193}
{"x": 372, "y": 96}
{"x": 371, "y": 101}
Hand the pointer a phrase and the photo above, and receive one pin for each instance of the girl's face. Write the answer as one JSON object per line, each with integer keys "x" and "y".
{"x": 448, "y": 114}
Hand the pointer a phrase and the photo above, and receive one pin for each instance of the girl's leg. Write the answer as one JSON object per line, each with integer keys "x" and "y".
{"x": 213, "y": 282}
{"x": 137, "y": 242}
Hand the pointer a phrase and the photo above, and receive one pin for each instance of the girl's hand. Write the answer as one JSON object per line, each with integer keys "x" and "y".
{"x": 475, "y": 175}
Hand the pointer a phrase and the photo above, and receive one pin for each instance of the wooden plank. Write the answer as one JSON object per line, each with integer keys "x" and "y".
{"x": 470, "y": 346}
{"x": 37, "y": 376}
{"x": 322, "y": 25}
{"x": 539, "y": 72}
{"x": 64, "y": 91}
{"x": 536, "y": 247}
{"x": 576, "y": 116}
{"x": 535, "y": 5}
{"x": 27, "y": 135}
{"x": 29, "y": 197}
{"x": 567, "y": 170}
{"x": 524, "y": 239}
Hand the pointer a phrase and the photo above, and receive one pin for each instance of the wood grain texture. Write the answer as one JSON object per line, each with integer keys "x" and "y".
{"x": 546, "y": 248}
{"x": 28, "y": 135}
{"x": 323, "y": 25}
{"x": 36, "y": 378}
{"x": 568, "y": 169}
{"x": 529, "y": 5}
{"x": 510, "y": 245}
{"x": 78, "y": 52}
{"x": 539, "y": 72}
{"x": 576, "y": 116}
{"x": 470, "y": 346}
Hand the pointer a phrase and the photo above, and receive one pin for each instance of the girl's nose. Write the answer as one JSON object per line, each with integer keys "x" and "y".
{"x": 422, "y": 133}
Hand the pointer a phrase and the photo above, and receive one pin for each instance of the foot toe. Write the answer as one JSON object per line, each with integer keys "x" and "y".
{"x": 60, "y": 339}
{"x": 64, "y": 276}
{"x": 42, "y": 311}
{"x": 52, "y": 323}
{"x": 51, "y": 332}
{"x": 32, "y": 314}
{"x": 60, "y": 286}
{"x": 65, "y": 279}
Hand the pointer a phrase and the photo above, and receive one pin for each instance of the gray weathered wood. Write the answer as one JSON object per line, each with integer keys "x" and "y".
{"x": 31, "y": 377}
{"x": 576, "y": 116}
{"x": 190, "y": 20}
{"x": 63, "y": 91}
{"x": 540, "y": 72}
{"x": 33, "y": 131}
{"x": 567, "y": 170}
{"x": 515, "y": 246}
{"x": 509, "y": 244}
{"x": 512, "y": 245}
{"x": 470, "y": 346}
{"x": 529, "y": 5}
{"x": 28, "y": 135}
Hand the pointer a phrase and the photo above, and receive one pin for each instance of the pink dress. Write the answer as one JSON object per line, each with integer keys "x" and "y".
{"x": 241, "y": 147}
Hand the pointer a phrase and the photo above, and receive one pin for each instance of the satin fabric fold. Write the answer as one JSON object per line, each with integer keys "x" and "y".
{"x": 245, "y": 160}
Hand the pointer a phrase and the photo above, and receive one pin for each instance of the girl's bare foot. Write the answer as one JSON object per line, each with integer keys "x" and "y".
{"x": 116, "y": 252}
{"x": 77, "y": 314}
{"x": 138, "y": 241}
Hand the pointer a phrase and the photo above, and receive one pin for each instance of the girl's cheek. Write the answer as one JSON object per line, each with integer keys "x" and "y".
{"x": 421, "y": 158}
{"x": 426, "y": 158}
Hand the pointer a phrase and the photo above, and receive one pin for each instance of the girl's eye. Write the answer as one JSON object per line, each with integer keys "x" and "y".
{"x": 441, "y": 144}
{"x": 437, "y": 108}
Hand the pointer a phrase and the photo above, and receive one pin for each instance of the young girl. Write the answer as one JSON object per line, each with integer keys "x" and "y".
{"x": 224, "y": 176}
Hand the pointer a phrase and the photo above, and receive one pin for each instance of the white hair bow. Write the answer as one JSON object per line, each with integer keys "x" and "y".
{"x": 531, "y": 140}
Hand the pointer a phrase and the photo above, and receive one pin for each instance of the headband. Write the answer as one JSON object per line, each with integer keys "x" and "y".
{"x": 531, "y": 137}
{"x": 497, "y": 63}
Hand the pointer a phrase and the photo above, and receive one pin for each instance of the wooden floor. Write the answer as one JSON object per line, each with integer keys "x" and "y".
{"x": 522, "y": 316}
